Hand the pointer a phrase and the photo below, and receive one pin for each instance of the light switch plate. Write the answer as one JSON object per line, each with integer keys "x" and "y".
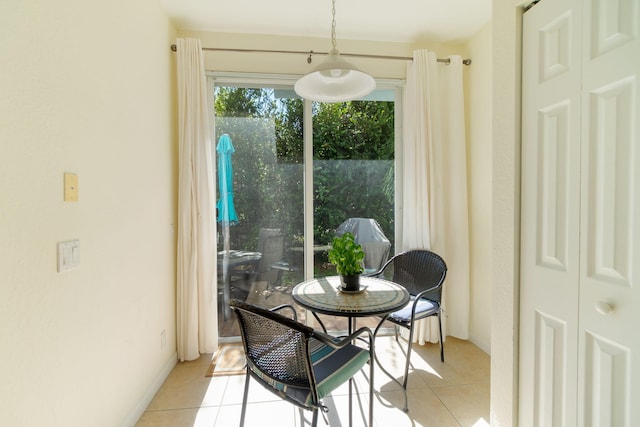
{"x": 68, "y": 255}
{"x": 70, "y": 187}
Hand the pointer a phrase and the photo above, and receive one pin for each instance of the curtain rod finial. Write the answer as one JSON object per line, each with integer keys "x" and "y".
{"x": 174, "y": 48}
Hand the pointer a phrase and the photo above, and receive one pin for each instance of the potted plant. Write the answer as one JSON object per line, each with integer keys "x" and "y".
{"x": 348, "y": 257}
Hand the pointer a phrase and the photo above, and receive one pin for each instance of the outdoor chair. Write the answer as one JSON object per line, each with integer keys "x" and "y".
{"x": 270, "y": 246}
{"x": 422, "y": 273}
{"x": 296, "y": 362}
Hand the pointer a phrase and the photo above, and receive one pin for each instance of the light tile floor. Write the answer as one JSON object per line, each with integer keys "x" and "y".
{"x": 454, "y": 393}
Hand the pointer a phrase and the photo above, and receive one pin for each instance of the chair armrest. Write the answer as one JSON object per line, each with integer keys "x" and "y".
{"x": 426, "y": 291}
{"x": 285, "y": 306}
{"x": 344, "y": 341}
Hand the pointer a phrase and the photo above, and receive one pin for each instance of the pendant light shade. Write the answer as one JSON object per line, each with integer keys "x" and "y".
{"x": 334, "y": 80}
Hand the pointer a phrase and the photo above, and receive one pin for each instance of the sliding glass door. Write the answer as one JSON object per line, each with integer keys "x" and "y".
{"x": 254, "y": 251}
{"x": 342, "y": 169}
{"x": 353, "y": 181}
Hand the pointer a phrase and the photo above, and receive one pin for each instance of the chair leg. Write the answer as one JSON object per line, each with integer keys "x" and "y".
{"x": 314, "y": 420}
{"x": 389, "y": 374}
{"x": 441, "y": 341}
{"x": 405, "y": 380}
{"x": 371, "y": 370}
{"x": 351, "y": 401}
{"x": 244, "y": 399}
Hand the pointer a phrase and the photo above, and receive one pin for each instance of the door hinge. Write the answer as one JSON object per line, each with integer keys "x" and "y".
{"x": 530, "y": 5}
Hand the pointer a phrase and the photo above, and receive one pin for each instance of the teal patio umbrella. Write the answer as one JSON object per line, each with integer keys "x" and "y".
{"x": 226, "y": 210}
{"x": 227, "y": 215}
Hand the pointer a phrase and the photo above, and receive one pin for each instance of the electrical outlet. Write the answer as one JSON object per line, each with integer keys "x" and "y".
{"x": 163, "y": 339}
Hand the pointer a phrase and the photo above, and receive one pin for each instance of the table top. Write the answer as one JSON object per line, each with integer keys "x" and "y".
{"x": 234, "y": 253}
{"x": 377, "y": 296}
{"x": 235, "y": 257}
{"x": 316, "y": 248}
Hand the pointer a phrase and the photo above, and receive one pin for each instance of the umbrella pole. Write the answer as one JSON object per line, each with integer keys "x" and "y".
{"x": 226, "y": 279}
{"x": 227, "y": 215}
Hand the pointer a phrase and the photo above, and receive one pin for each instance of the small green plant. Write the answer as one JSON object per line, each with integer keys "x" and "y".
{"x": 346, "y": 255}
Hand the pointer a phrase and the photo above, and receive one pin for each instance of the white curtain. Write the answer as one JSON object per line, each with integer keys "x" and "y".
{"x": 197, "y": 327}
{"x": 435, "y": 214}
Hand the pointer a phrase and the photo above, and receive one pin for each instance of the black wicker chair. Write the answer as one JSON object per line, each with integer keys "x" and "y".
{"x": 272, "y": 249}
{"x": 422, "y": 273}
{"x": 296, "y": 362}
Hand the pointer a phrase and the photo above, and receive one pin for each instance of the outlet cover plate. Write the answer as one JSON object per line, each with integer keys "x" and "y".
{"x": 68, "y": 255}
{"x": 70, "y": 187}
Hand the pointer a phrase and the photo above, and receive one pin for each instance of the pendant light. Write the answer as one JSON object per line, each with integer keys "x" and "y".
{"x": 334, "y": 80}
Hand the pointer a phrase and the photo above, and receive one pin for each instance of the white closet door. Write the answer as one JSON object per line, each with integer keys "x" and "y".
{"x": 609, "y": 363}
{"x": 580, "y": 255}
{"x": 550, "y": 214}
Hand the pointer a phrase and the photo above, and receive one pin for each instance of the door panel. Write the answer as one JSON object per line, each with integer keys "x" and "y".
{"x": 580, "y": 255}
{"x": 550, "y": 215}
{"x": 610, "y": 245}
{"x": 606, "y": 382}
{"x": 610, "y": 24}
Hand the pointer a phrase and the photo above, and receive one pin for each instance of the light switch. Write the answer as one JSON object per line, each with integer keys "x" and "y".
{"x": 68, "y": 255}
{"x": 70, "y": 187}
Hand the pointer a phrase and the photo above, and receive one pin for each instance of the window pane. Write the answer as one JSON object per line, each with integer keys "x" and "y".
{"x": 255, "y": 255}
{"x": 353, "y": 177}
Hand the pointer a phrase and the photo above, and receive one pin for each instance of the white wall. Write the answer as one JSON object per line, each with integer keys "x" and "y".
{"x": 88, "y": 88}
{"x": 479, "y": 143}
{"x": 506, "y": 41}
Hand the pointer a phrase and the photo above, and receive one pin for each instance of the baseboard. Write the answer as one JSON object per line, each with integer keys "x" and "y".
{"x": 139, "y": 409}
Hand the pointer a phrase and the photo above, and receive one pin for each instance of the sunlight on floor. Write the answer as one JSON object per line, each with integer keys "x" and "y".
{"x": 450, "y": 394}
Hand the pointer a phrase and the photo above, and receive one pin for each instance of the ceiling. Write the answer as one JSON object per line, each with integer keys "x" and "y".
{"x": 405, "y": 21}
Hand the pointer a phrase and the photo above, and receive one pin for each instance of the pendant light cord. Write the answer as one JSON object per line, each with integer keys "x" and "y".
{"x": 333, "y": 25}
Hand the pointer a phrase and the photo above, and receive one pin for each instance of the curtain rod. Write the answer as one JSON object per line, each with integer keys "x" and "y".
{"x": 311, "y": 52}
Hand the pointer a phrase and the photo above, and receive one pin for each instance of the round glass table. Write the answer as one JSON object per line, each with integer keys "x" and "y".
{"x": 377, "y": 297}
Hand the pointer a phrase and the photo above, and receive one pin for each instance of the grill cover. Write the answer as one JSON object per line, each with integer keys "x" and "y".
{"x": 369, "y": 235}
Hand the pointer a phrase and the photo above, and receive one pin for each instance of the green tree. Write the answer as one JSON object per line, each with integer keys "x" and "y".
{"x": 353, "y": 162}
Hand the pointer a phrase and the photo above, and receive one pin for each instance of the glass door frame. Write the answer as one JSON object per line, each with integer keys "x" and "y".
{"x": 286, "y": 82}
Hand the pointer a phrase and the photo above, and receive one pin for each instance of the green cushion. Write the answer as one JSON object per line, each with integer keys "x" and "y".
{"x": 332, "y": 367}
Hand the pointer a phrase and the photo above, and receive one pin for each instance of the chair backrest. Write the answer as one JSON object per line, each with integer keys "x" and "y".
{"x": 417, "y": 270}
{"x": 263, "y": 233}
{"x": 275, "y": 346}
{"x": 272, "y": 249}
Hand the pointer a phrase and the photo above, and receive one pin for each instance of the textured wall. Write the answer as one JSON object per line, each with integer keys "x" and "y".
{"x": 480, "y": 142}
{"x": 85, "y": 87}
{"x": 506, "y": 35}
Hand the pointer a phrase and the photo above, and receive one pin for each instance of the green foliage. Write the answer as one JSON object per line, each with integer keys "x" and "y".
{"x": 354, "y": 130}
{"x": 346, "y": 255}
{"x": 353, "y": 168}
